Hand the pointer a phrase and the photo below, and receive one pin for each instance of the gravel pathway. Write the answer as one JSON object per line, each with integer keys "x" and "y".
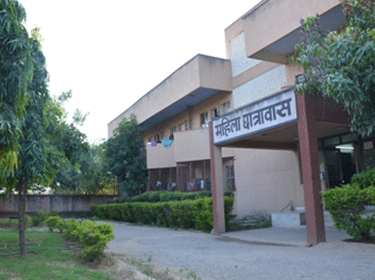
{"x": 218, "y": 257}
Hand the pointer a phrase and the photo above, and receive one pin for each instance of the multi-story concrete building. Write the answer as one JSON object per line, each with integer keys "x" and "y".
{"x": 236, "y": 123}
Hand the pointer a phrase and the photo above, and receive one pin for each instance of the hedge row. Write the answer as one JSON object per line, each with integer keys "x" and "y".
{"x": 92, "y": 236}
{"x": 164, "y": 196}
{"x": 175, "y": 214}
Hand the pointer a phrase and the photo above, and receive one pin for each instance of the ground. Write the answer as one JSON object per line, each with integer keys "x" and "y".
{"x": 208, "y": 256}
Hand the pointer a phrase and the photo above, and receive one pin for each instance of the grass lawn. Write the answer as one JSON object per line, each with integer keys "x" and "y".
{"x": 49, "y": 260}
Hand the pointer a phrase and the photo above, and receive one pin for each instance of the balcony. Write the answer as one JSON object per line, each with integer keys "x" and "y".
{"x": 190, "y": 145}
{"x": 160, "y": 157}
{"x": 194, "y": 145}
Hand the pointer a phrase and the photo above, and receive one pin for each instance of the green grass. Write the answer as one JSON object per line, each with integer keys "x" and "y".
{"x": 5, "y": 223}
{"x": 49, "y": 261}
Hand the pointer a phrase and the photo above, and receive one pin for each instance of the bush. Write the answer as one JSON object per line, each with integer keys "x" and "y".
{"x": 55, "y": 222}
{"x": 347, "y": 204}
{"x": 364, "y": 179}
{"x": 92, "y": 236}
{"x": 28, "y": 222}
{"x": 164, "y": 196}
{"x": 175, "y": 214}
{"x": 42, "y": 216}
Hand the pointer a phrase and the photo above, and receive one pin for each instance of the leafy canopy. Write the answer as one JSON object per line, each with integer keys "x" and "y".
{"x": 124, "y": 157}
{"x": 16, "y": 70}
{"x": 341, "y": 64}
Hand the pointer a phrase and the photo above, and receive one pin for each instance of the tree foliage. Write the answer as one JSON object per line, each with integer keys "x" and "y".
{"x": 124, "y": 157}
{"x": 341, "y": 64}
{"x": 16, "y": 69}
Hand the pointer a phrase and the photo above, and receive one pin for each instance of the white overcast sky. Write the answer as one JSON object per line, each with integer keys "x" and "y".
{"x": 110, "y": 53}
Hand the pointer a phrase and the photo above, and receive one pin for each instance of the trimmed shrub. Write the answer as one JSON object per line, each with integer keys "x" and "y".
{"x": 346, "y": 205}
{"x": 364, "y": 179}
{"x": 165, "y": 196}
{"x": 70, "y": 229}
{"x": 55, "y": 222}
{"x": 92, "y": 236}
{"x": 42, "y": 216}
{"x": 175, "y": 214}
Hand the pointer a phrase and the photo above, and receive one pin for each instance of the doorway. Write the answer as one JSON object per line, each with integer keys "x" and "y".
{"x": 341, "y": 164}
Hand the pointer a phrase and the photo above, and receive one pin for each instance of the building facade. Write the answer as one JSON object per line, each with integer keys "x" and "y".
{"x": 223, "y": 123}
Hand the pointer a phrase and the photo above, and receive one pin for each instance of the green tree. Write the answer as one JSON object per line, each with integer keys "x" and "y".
{"x": 69, "y": 142}
{"x": 35, "y": 158}
{"x": 16, "y": 70}
{"x": 95, "y": 177}
{"x": 124, "y": 157}
{"x": 341, "y": 64}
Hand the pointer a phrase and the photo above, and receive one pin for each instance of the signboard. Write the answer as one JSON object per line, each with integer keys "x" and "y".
{"x": 274, "y": 111}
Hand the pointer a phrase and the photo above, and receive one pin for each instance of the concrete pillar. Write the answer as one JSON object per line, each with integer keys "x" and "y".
{"x": 308, "y": 140}
{"x": 217, "y": 186}
{"x": 149, "y": 181}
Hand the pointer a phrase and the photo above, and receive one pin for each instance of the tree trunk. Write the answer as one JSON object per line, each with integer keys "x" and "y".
{"x": 21, "y": 215}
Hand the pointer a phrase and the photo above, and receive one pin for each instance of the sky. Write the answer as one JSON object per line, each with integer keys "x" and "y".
{"x": 110, "y": 53}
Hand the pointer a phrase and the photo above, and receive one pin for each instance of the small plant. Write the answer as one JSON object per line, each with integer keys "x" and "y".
{"x": 347, "y": 206}
{"x": 42, "y": 216}
{"x": 28, "y": 221}
{"x": 149, "y": 259}
{"x": 364, "y": 179}
{"x": 55, "y": 222}
{"x": 91, "y": 235}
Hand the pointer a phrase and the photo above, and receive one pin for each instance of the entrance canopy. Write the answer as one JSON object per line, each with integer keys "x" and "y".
{"x": 271, "y": 123}
{"x": 283, "y": 120}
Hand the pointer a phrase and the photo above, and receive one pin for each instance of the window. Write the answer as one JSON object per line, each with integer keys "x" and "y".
{"x": 230, "y": 177}
{"x": 173, "y": 130}
{"x": 183, "y": 126}
{"x": 215, "y": 112}
{"x": 226, "y": 107}
{"x": 204, "y": 120}
{"x": 162, "y": 135}
{"x": 150, "y": 139}
{"x": 157, "y": 138}
{"x": 190, "y": 124}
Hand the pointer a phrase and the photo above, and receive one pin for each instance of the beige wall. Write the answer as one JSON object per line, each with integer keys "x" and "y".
{"x": 200, "y": 72}
{"x": 266, "y": 181}
{"x": 192, "y": 113}
{"x": 194, "y": 145}
{"x": 189, "y": 145}
{"x": 276, "y": 19}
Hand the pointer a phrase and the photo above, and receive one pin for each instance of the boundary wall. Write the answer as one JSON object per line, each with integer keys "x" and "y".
{"x": 66, "y": 205}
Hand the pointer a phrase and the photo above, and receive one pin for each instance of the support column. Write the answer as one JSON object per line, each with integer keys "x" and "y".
{"x": 149, "y": 181}
{"x": 190, "y": 172}
{"x": 217, "y": 186}
{"x": 177, "y": 178}
{"x": 308, "y": 140}
{"x": 170, "y": 177}
{"x": 204, "y": 174}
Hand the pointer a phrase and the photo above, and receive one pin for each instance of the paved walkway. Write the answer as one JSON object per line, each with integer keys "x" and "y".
{"x": 284, "y": 236}
{"x": 239, "y": 255}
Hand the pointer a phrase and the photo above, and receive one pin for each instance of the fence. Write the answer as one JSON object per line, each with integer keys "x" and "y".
{"x": 66, "y": 205}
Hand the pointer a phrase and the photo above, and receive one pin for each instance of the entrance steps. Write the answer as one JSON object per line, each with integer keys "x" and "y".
{"x": 296, "y": 219}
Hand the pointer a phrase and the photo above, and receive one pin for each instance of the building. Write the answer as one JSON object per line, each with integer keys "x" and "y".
{"x": 237, "y": 123}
